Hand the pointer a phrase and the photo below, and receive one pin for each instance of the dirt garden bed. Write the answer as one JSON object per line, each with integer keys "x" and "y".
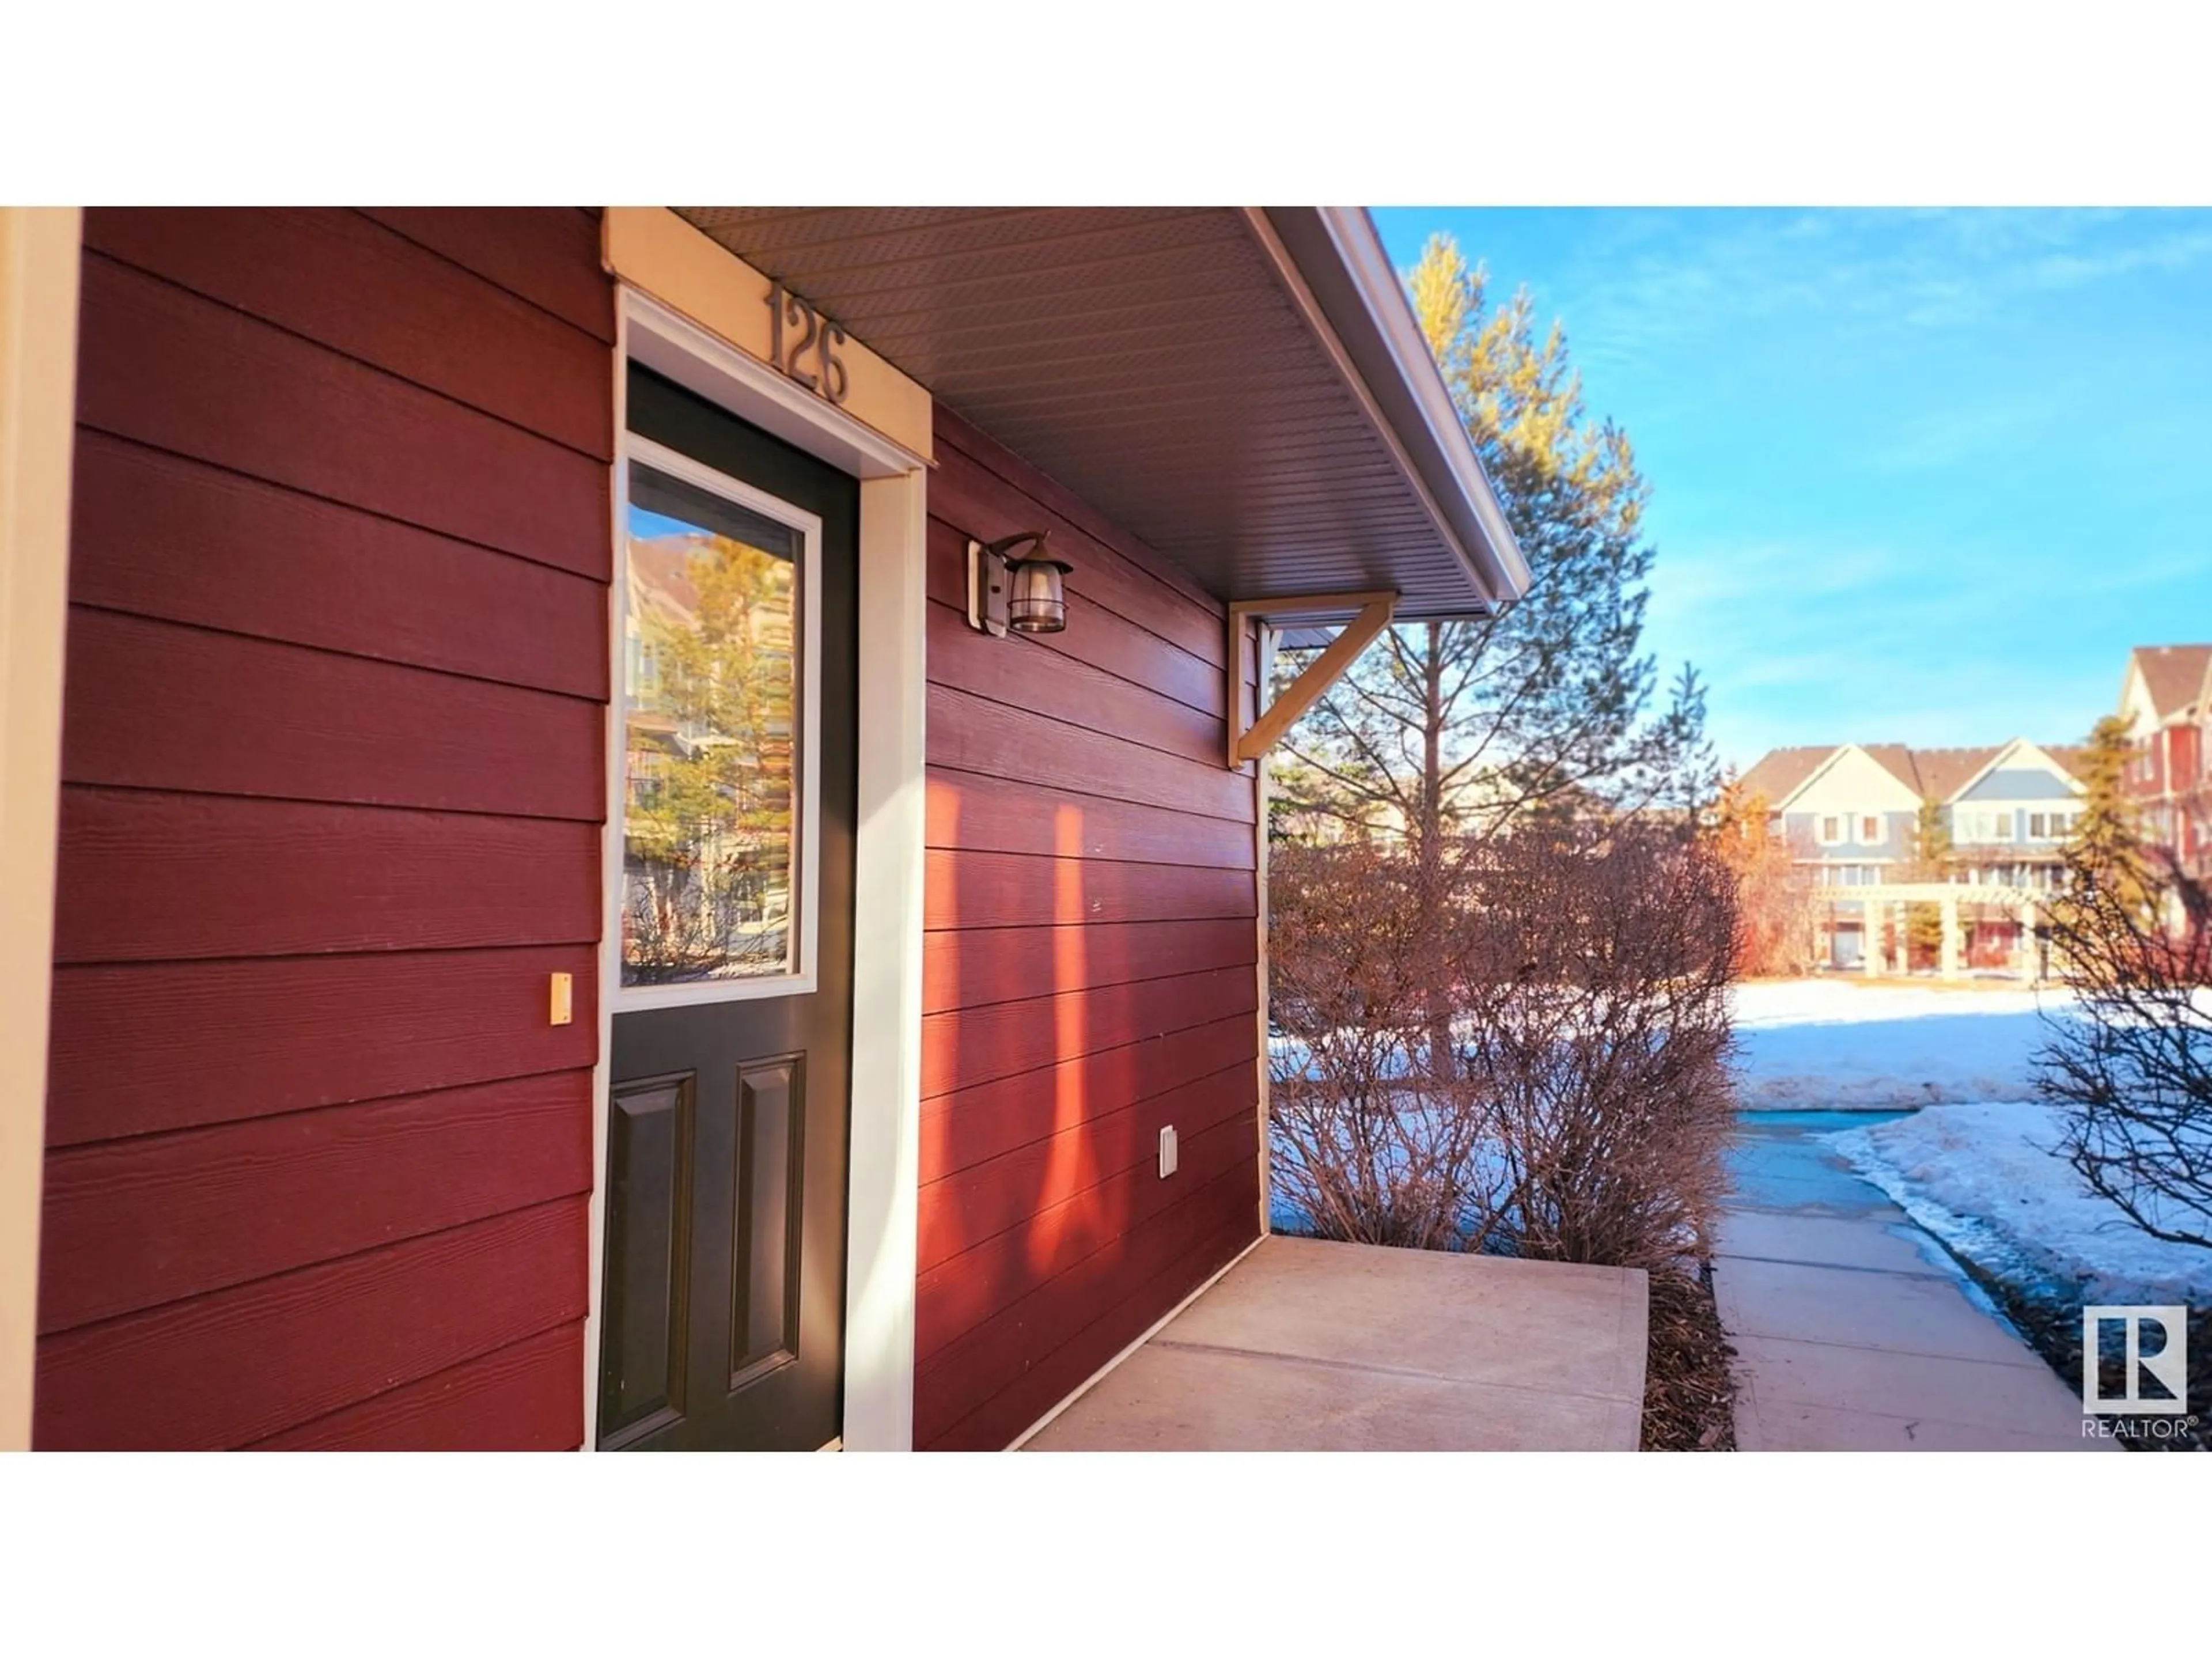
{"x": 1689, "y": 1394}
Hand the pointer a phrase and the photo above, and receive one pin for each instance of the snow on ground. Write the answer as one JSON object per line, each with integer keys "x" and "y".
{"x": 1838, "y": 1044}
{"x": 1987, "y": 1178}
{"x": 1977, "y": 1164}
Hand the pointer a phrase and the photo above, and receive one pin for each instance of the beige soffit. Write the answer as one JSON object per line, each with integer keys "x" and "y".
{"x": 1243, "y": 388}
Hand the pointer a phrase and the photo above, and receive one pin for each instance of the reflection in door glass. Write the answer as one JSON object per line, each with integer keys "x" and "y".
{"x": 710, "y": 831}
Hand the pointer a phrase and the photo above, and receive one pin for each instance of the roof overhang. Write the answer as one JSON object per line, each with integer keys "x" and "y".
{"x": 1244, "y": 389}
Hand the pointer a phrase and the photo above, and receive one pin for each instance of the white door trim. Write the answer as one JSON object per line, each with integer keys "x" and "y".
{"x": 883, "y": 1195}
{"x": 881, "y": 1205}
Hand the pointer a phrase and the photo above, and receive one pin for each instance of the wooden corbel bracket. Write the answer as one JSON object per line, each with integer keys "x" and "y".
{"x": 1324, "y": 671}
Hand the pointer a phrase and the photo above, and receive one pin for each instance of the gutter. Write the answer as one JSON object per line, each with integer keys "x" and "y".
{"x": 1332, "y": 258}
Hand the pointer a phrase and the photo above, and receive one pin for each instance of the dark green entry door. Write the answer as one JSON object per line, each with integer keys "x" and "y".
{"x": 722, "y": 1324}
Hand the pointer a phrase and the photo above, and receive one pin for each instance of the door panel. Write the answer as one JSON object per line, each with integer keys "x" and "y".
{"x": 771, "y": 1129}
{"x": 728, "y": 1123}
{"x": 649, "y": 1185}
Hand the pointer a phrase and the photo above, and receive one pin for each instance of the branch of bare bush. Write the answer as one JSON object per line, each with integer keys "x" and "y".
{"x": 1584, "y": 1111}
{"x": 2131, "y": 1064}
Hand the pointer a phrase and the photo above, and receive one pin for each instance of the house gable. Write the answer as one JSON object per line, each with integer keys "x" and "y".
{"x": 2021, "y": 771}
{"x": 1781, "y": 772}
{"x": 1854, "y": 781}
{"x": 2137, "y": 707}
{"x": 2173, "y": 677}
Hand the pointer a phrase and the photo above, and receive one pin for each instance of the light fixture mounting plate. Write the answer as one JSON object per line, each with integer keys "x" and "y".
{"x": 987, "y": 589}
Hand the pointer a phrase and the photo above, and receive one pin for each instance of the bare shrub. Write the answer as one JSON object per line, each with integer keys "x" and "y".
{"x": 1370, "y": 1142}
{"x": 2132, "y": 1064}
{"x": 1596, "y": 1016}
{"x": 1585, "y": 1114}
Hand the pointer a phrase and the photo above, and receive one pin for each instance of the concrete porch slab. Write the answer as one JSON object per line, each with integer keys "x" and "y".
{"x": 1312, "y": 1346}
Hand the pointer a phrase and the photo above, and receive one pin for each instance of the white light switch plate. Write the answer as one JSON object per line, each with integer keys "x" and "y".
{"x": 1168, "y": 1151}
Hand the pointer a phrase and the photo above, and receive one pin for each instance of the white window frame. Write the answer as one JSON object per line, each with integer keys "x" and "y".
{"x": 1820, "y": 829}
{"x": 803, "y": 978}
{"x": 1867, "y": 839}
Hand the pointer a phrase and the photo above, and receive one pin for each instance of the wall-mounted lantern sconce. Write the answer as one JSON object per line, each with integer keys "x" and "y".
{"x": 1025, "y": 594}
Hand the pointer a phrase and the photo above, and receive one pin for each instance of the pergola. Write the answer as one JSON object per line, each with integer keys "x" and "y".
{"x": 1874, "y": 902}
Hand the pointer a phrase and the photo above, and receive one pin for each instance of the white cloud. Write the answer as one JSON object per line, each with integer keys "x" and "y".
{"x": 1677, "y": 277}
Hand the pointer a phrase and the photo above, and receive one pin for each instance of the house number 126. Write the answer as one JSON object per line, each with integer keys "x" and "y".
{"x": 787, "y": 311}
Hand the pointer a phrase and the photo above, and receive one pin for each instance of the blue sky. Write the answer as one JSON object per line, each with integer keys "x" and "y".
{"x": 1917, "y": 476}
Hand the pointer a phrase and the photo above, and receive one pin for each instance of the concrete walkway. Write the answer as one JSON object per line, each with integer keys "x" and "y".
{"x": 1310, "y": 1346}
{"x": 1851, "y": 1335}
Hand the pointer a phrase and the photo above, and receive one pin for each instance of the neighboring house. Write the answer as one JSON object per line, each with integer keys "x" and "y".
{"x": 1850, "y": 813}
{"x": 362, "y": 1125}
{"x": 2166, "y": 698}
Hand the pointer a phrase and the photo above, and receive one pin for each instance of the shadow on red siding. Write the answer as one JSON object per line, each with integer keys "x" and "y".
{"x": 1089, "y": 970}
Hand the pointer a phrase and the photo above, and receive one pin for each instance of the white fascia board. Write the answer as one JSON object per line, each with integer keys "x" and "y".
{"x": 1354, "y": 234}
{"x": 2136, "y": 704}
{"x": 1339, "y": 276}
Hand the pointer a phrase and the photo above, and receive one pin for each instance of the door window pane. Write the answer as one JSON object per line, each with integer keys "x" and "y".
{"x": 711, "y": 672}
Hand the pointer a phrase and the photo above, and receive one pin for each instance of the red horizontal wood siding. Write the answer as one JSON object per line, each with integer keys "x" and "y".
{"x": 145, "y": 876}
{"x": 141, "y": 1047}
{"x": 968, "y": 1046}
{"x": 217, "y": 1206}
{"x": 1002, "y": 890}
{"x": 973, "y": 735}
{"x": 970, "y": 1126}
{"x": 521, "y": 1398}
{"x": 173, "y": 370}
{"x": 318, "y": 1166}
{"x": 161, "y": 536}
{"x": 153, "y": 706}
{"x": 240, "y": 1364}
{"x": 967, "y": 968}
{"x": 971, "y": 813}
{"x": 1020, "y": 1261}
{"x": 550, "y": 259}
{"x": 987, "y": 1198}
{"x": 339, "y": 278}
{"x": 1088, "y": 962}
{"x": 1041, "y": 1348}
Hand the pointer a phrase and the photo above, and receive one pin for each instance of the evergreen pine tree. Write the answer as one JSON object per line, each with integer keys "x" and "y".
{"x": 2106, "y": 847}
{"x": 1931, "y": 862}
